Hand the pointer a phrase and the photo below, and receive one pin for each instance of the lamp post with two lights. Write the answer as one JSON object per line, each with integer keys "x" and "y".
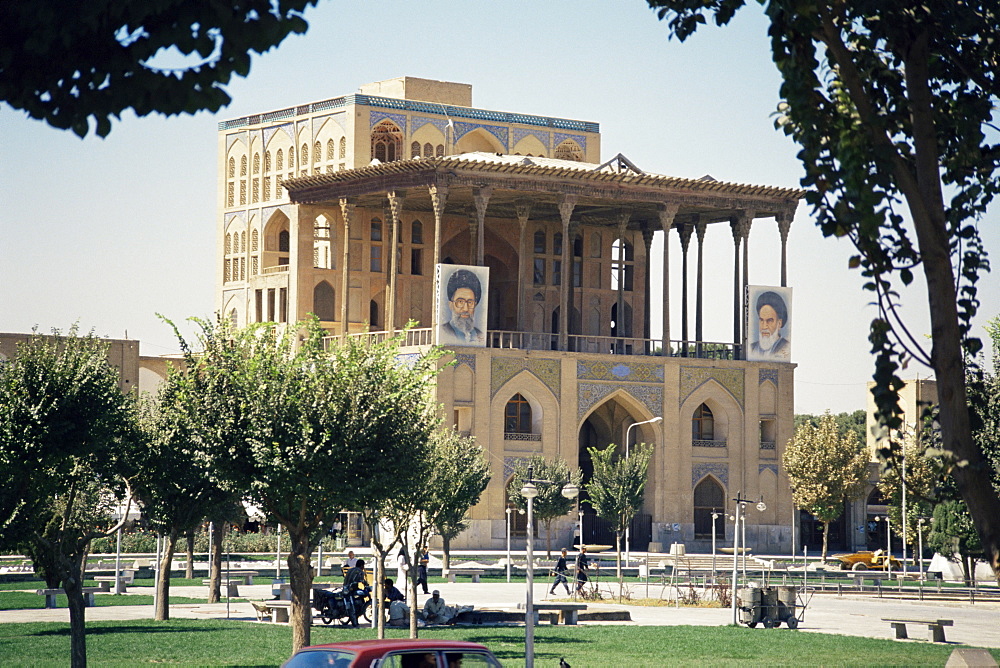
{"x": 529, "y": 490}
{"x": 629, "y": 429}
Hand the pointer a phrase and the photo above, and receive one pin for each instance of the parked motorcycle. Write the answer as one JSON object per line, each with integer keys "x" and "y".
{"x": 336, "y": 605}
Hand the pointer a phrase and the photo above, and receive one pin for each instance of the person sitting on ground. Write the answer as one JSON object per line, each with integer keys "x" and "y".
{"x": 391, "y": 592}
{"x": 435, "y": 610}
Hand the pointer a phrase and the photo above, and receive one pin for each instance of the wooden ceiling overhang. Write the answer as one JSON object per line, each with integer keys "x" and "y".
{"x": 601, "y": 197}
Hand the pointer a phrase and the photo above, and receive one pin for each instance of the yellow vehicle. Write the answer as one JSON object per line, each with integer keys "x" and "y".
{"x": 865, "y": 560}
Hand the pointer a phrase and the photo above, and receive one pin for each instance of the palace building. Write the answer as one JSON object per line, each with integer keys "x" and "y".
{"x": 347, "y": 209}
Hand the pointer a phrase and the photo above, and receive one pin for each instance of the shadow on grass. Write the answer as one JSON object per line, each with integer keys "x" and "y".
{"x": 497, "y": 642}
{"x": 115, "y": 630}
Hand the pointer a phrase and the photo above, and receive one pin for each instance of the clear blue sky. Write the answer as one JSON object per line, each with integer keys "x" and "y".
{"x": 109, "y": 232}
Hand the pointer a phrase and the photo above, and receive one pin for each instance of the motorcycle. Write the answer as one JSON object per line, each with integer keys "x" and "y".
{"x": 346, "y": 608}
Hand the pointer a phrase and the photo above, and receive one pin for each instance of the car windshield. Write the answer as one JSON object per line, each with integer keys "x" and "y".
{"x": 320, "y": 658}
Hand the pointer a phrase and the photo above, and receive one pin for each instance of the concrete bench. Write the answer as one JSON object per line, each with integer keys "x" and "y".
{"x": 246, "y": 576}
{"x": 88, "y": 595}
{"x": 568, "y": 612}
{"x": 127, "y": 578}
{"x": 935, "y": 626}
{"x": 475, "y": 573}
{"x": 232, "y": 586}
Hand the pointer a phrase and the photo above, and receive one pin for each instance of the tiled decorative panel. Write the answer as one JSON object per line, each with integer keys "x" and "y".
{"x": 701, "y": 469}
{"x": 505, "y": 368}
{"x": 635, "y": 372}
{"x": 379, "y": 116}
{"x": 768, "y": 467}
{"x": 590, "y": 394}
{"x": 693, "y": 377}
{"x": 468, "y": 360}
{"x": 498, "y": 131}
{"x": 768, "y": 374}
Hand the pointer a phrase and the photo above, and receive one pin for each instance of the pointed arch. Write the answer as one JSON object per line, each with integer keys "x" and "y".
{"x": 387, "y": 142}
{"x": 324, "y": 302}
{"x": 727, "y": 416}
{"x": 479, "y": 140}
{"x": 568, "y": 149}
{"x": 709, "y": 499}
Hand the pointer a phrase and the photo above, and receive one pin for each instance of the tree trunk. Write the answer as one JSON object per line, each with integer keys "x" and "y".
{"x": 215, "y": 562}
{"x": 826, "y": 533}
{"x": 189, "y": 571}
{"x": 548, "y": 539}
{"x": 411, "y": 589}
{"x": 618, "y": 562}
{"x": 446, "y": 553}
{"x": 162, "y": 611}
{"x": 378, "y": 590}
{"x": 300, "y": 577}
{"x": 73, "y": 586}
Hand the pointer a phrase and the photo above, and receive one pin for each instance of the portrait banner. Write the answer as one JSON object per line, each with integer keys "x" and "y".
{"x": 460, "y": 298}
{"x": 769, "y": 324}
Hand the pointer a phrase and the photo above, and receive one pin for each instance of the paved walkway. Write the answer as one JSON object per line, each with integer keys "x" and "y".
{"x": 975, "y": 624}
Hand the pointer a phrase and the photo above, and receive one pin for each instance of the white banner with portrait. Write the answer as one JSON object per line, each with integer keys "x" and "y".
{"x": 769, "y": 324}
{"x": 460, "y": 298}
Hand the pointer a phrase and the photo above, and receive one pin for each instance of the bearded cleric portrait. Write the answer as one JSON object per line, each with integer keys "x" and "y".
{"x": 769, "y": 324}
{"x": 461, "y": 297}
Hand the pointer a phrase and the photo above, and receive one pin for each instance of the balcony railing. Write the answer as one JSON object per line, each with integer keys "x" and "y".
{"x": 707, "y": 443}
{"x": 276, "y": 269}
{"x": 767, "y": 445}
{"x": 579, "y": 343}
{"x": 511, "y": 436}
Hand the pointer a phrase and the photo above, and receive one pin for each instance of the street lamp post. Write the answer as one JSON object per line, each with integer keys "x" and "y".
{"x": 740, "y": 515}
{"x": 630, "y": 427}
{"x": 919, "y": 557}
{"x": 715, "y": 516}
{"x": 508, "y": 542}
{"x": 529, "y": 491}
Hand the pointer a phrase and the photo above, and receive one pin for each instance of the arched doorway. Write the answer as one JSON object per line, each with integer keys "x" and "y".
{"x": 605, "y": 425}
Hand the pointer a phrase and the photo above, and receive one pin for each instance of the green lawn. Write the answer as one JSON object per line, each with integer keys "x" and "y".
{"x": 24, "y": 600}
{"x": 226, "y": 643}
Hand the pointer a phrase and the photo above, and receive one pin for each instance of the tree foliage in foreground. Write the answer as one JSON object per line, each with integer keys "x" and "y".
{"x": 891, "y": 103}
{"x": 67, "y": 448}
{"x": 65, "y": 62}
{"x": 825, "y": 470}
{"x": 304, "y": 432}
{"x": 856, "y": 421}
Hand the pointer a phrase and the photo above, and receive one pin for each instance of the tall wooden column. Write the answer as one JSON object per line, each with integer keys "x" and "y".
{"x": 699, "y": 300}
{"x": 566, "y": 205}
{"x": 647, "y": 242}
{"x": 684, "y": 230}
{"x": 523, "y": 209}
{"x": 746, "y": 218}
{"x": 439, "y": 196}
{"x": 623, "y": 218}
{"x": 666, "y": 212}
{"x": 734, "y": 225}
{"x": 395, "y": 209}
{"x": 784, "y": 221}
{"x": 482, "y": 199}
{"x": 347, "y": 213}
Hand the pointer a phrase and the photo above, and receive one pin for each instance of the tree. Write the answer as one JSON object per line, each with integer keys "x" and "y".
{"x": 67, "y": 439}
{"x": 923, "y": 475}
{"x": 954, "y": 537}
{"x": 101, "y": 58}
{"x": 175, "y": 484}
{"x": 890, "y": 103}
{"x": 305, "y": 431}
{"x": 550, "y": 503}
{"x": 460, "y": 476}
{"x": 855, "y": 421}
{"x": 825, "y": 470}
{"x": 616, "y": 489}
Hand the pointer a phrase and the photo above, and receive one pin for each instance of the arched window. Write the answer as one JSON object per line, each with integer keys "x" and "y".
{"x": 323, "y": 301}
{"x": 709, "y": 498}
{"x": 243, "y": 166}
{"x": 387, "y": 142}
{"x": 267, "y": 162}
{"x": 517, "y": 416}
{"x": 540, "y": 242}
{"x": 232, "y": 168}
{"x": 243, "y": 242}
{"x": 254, "y": 241}
{"x": 373, "y": 314}
{"x": 304, "y": 155}
{"x": 291, "y": 158}
{"x": 440, "y": 150}
{"x": 317, "y": 152}
{"x": 343, "y": 147}
{"x": 279, "y": 164}
{"x": 256, "y": 163}
{"x": 330, "y": 151}
{"x": 267, "y": 188}
{"x": 703, "y": 424}
{"x": 417, "y": 232}
{"x": 557, "y": 243}
{"x": 283, "y": 241}
{"x": 376, "y": 229}
{"x": 415, "y": 149}
{"x": 243, "y": 192}
{"x": 428, "y": 151}
{"x": 229, "y": 244}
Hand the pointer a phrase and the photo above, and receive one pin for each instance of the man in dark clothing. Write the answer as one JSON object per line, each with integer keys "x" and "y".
{"x": 424, "y": 559}
{"x": 354, "y": 582}
{"x": 560, "y": 573}
{"x": 582, "y": 564}
{"x": 391, "y": 592}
